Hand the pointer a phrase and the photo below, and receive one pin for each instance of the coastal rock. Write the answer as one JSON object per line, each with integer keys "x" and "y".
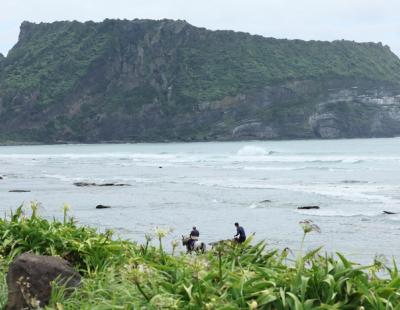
{"x": 254, "y": 130}
{"x": 113, "y": 184}
{"x": 389, "y": 212}
{"x": 29, "y": 280}
{"x": 354, "y": 182}
{"x": 84, "y": 184}
{"x": 19, "y": 191}
{"x": 325, "y": 126}
{"x": 357, "y": 112}
{"x": 102, "y": 207}
{"x": 87, "y": 184}
{"x": 308, "y": 207}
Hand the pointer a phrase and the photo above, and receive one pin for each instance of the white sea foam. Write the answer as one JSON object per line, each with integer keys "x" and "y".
{"x": 59, "y": 177}
{"x": 260, "y": 204}
{"x": 352, "y": 161}
{"x": 339, "y": 213}
{"x": 252, "y": 150}
{"x": 360, "y": 193}
{"x": 269, "y": 168}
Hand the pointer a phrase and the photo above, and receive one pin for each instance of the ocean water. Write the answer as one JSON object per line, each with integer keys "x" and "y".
{"x": 214, "y": 184}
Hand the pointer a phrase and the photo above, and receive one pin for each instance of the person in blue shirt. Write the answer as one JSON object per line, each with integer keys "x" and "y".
{"x": 240, "y": 236}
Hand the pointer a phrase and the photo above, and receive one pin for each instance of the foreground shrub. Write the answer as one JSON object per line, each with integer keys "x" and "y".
{"x": 84, "y": 247}
{"x": 120, "y": 274}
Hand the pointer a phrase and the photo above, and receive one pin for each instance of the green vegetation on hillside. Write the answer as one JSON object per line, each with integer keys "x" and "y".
{"x": 52, "y": 59}
{"x": 227, "y": 63}
{"x": 124, "y": 275}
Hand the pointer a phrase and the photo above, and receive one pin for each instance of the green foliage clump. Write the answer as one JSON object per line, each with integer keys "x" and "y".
{"x": 123, "y": 275}
{"x": 84, "y": 247}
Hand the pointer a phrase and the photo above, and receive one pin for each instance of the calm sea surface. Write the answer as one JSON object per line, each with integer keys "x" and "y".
{"x": 212, "y": 185}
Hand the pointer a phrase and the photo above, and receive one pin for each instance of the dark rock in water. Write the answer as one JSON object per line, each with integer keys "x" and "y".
{"x": 83, "y": 184}
{"x": 29, "y": 280}
{"x": 354, "y": 182}
{"x": 113, "y": 184}
{"x": 102, "y": 207}
{"x": 390, "y": 212}
{"x": 87, "y": 184}
{"x": 1, "y": 178}
{"x": 308, "y": 207}
{"x": 19, "y": 191}
{"x": 160, "y": 167}
{"x": 265, "y": 201}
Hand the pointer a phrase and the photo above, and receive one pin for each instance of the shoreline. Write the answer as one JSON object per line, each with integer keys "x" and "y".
{"x": 133, "y": 142}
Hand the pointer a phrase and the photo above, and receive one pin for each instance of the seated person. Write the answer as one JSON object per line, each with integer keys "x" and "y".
{"x": 194, "y": 236}
{"x": 240, "y": 236}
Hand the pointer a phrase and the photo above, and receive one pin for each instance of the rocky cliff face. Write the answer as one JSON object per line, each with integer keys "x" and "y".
{"x": 147, "y": 80}
{"x": 307, "y": 109}
{"x": 2, "y": 58}
{"x": 348, "y": 113}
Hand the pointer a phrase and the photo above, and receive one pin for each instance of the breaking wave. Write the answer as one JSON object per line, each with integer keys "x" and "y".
{"x": 251, "y": 150}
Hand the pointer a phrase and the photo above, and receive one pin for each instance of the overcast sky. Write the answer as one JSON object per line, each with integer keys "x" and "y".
{"x": 359, "y": 20}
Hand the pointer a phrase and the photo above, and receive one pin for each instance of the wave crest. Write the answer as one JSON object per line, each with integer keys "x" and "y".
{"x": 252, "y": 150}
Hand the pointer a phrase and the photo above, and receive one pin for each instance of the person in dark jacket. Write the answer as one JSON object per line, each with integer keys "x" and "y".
{"x": 194, "y": 236}
{"x": 240, "y": 236}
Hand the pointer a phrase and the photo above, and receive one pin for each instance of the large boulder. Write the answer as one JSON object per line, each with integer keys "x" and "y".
{"x": 30, "y": 278}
